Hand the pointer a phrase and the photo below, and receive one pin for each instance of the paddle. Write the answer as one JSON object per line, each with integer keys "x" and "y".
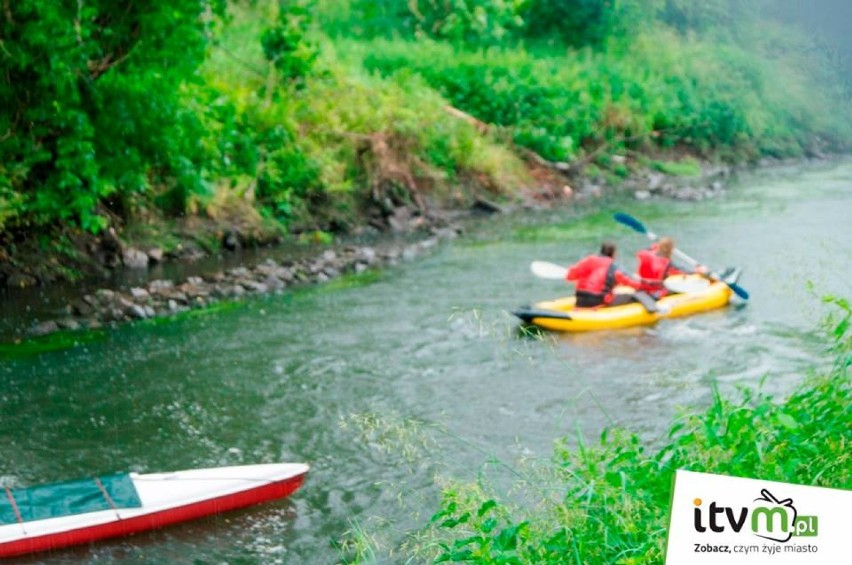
{"x": 545, "y": 270}
{"x": 552, "y": 271}
{"x": 526, "y": 314}
{"x": 638, "y": 226}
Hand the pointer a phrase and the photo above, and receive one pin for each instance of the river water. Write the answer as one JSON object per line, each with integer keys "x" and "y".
{"x": 299, "y": 377}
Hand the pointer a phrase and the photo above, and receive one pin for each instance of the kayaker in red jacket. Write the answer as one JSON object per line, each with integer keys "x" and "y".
{"x": 596, "y": 276}
{"x": 655, "y": 264}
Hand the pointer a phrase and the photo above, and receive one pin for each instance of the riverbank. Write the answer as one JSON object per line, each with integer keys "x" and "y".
{"x": 403, "y": 234}
{"x": 128, "y": 278}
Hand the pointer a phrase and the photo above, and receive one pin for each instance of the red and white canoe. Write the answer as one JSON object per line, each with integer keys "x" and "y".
{"x": 64, "y": 514}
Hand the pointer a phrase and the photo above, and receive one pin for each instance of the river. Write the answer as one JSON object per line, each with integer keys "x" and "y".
{"x": 296, "y": 377}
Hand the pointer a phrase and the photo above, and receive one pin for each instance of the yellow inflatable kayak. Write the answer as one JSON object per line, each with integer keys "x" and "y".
{"x": 700, "y": 295}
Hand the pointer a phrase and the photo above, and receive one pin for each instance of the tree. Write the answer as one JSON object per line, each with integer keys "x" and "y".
{"x": 90, "y": 103}
{"x": 588, "y": 22}
{"x": 474, "y": 22}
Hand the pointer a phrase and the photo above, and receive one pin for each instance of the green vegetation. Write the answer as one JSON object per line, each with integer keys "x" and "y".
{"x": 608, "y": 502}
{"x": 592, "y": 227}
{"x": 68, "y": 339}
{"x": 95, "y": 112}
{"x": 684, "y": 168}
{"x": 349, "y": 280}
{"x": 313, "y": 114}
{"x": 57, "y": 341}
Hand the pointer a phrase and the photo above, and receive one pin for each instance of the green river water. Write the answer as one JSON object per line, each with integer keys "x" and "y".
{"x": 280, "y": 378}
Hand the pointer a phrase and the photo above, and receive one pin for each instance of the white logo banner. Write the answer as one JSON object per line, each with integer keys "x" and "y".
{"x": 720, "y": 519}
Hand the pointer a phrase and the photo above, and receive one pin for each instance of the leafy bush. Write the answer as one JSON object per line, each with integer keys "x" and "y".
{"x": 286, "y": 43}
{"x": 307, "y": 143}
{"x": 666, "y": 91}
{"x": 288, "y": 175}
{"x": 472, "y": 22}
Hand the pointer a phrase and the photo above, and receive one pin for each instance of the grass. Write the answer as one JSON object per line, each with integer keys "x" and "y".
{"x": 321, "y": 144}
{"x": 313, "y": 148}
{"x": 372, "y": 121}
{"x": 684, "y": 168}
{"x": 667, "y": 91}
{"x": 68, "y": 339}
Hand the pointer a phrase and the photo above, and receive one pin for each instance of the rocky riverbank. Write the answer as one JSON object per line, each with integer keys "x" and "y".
{"x": 162, "y": 297}
{"x": 165, "y": 297}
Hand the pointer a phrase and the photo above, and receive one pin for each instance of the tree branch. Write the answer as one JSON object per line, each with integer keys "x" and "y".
{"x": 270, "y": 84}
{"x": 415, "y": 10}
{"x": 78, "y": 25}
{"x": 97, "y": 68}
{"x": 247, "y": 65}
{"x": 7, "y": 10}
{"x": 480, "y": 126}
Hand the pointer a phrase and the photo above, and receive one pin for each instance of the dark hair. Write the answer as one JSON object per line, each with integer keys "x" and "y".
{"x": 608, "y": 249}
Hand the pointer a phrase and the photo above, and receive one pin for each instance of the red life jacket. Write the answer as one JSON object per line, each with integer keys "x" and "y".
{"x": 653, "y": 269}
{"x": 593, "y": 275}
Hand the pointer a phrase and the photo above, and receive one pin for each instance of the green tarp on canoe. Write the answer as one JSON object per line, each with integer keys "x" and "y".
{"x": 66, "y": 499}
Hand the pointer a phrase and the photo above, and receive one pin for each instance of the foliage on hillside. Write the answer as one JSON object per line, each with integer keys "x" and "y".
{"x": 316, "y": 112}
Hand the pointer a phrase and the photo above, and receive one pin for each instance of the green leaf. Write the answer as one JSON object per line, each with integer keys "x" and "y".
{"x": 485, "y": 507}
{"x": 787, "y": 421}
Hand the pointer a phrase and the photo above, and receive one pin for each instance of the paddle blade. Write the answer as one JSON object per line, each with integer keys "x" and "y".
{"x": 527, "y": 314}
{"x": 545, "y": 270}
{"x": 729, "y": 277}
{"x": 738, "y": 290}
{"x": 630, "y": 222}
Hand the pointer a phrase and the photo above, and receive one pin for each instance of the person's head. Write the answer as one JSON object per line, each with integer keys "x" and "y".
{"x": 608, "y": 249}
{"x": 665, "y": 247}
